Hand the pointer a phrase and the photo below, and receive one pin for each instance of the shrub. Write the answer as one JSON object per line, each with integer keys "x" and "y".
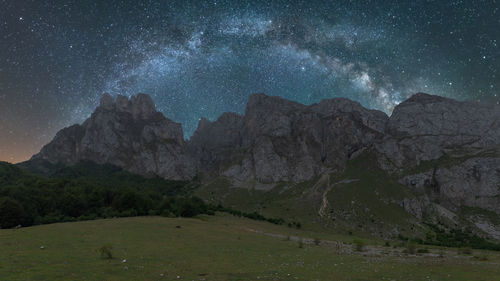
{"x": 423, "y": 251}
{"x": 301, "y": 243}
{"x": 482, "y": 257}
{"x": 441, "y": 253}
{"x": 359, "y": 245}
{"x": 317, "y": 241}
{"x": 465, "y": 251}
{"x": 387, "y": 244}
{"x": 189, "y": 207}
{"x": 411, "y": 247}
{"x": 105, "y": 252}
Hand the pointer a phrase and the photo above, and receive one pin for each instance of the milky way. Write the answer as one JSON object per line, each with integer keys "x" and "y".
{"x": 201, "y": 58}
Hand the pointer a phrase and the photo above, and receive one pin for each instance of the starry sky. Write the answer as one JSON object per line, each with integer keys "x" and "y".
{"x": 201, "y": 58}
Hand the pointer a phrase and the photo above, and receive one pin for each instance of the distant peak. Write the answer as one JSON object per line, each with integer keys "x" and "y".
{"x": 262, "y": 101}
{"x": 140, "y": 105}
{"x": 262, "y": 97}
{"x": 425, "y": 98}
{"x": 106, "y": 101}
{"x": 203, "y": 123}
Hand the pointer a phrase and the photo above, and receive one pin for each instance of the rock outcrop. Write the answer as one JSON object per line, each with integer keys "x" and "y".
{"x": 127, "y": 133}
{"x": 280, "y": 140}
{"x": 473, "y": 183}
{"x": 425, "y": 127}
{"x": 453, "y": 149}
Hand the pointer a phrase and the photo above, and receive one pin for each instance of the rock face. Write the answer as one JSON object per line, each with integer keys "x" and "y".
{"x": 128, "y": 133}
{"x": 280, "y": 140}
{"x": 473, "y": 183}
{"x": 275, "y": 140}
{"x": 455, "y": 146}
{"x": 425, "y": 127}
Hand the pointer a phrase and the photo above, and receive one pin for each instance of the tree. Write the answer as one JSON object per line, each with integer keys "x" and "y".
{"x": 11, "y": 213}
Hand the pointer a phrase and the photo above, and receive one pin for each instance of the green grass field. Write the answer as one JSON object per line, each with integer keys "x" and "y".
{"x": 218, "y": 247}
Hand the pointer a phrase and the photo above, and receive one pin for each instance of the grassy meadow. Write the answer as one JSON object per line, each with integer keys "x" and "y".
{"x": 220, "y": 247}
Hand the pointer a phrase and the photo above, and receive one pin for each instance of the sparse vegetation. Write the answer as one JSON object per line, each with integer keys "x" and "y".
{"x": 252, "y": 215}
{"x": 301, "y": 243}
{"x": 411, "y": 247}
{"x": 359, "y": 245}
{"x": 458, "y": 238}
{"x": 482, "y": 257}
{"x": 465, "y": 251}
{"x": 423, "y": 251}
{"x": 105, "y": 252}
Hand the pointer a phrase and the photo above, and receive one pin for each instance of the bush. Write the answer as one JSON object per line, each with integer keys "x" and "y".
{"x": 105, "y": 252}
{"x": 301, "y": 243}
{"x": 482, "y": 257}
{"x": 465, "y": 251}
{"x": 411, "y": 247}
{"x": 253, "y": 216}
{"x": 317, "y": 241}
{"x": 441, "y": 253}
{"x": 189, "y": 207}
{"x": 359, "y": 245}
{"x": 423, "y": 251}
{"x": 442, "y": 236}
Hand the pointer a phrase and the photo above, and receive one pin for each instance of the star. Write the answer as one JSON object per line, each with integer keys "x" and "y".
{"x": 206, "y": 58}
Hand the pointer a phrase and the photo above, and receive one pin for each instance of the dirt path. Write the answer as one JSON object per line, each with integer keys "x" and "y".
{"x": 337, "y": 245}
{"x": 324, "y": 202}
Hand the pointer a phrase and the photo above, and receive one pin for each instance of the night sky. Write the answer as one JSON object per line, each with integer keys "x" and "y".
{"x": 201, "y": 58}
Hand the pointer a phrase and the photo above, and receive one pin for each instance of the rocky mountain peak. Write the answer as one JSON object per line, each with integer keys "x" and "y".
{"x": 107, "y": 101}
{"x": 140, "y": 106}
{"x": 373, "y": 119}
{"x": 264, "y": 103}
{"x": 128, "y": 133}
{"x": 424, "y": 98}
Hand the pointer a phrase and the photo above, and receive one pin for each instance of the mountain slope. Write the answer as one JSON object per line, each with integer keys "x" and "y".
{"x": 434, "y": 158}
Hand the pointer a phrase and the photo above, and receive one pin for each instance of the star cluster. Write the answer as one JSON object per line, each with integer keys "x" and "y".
{"x": 201, "y": 58}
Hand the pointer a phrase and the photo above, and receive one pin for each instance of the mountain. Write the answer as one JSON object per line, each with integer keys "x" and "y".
{"x": 280, "y": 140}
{"x": 448, "y": 152}
{"x": 426, "y": 127}
{"x": 127, "y": 133}
{"x": 275, "y": 140}
{"x": 434, "y": 161}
